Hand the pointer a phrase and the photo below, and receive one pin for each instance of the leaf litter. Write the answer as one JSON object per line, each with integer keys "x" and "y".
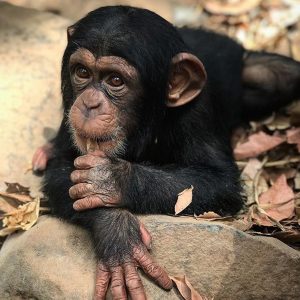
{"x": 18, "y": 210}
{"x": 268, "y": 151}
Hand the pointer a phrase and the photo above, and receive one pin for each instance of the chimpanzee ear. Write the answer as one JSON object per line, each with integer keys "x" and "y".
{"x": 70, "y": 31}
{"x": 187, "y": 79}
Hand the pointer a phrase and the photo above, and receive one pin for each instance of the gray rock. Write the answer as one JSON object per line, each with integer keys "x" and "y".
{"x": 31, "y": 47}
{"x": 55, "y": 260}
{"x": 76, "y": 9}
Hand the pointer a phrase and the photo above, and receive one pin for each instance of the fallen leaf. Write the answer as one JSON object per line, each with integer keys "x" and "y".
{"x": 252, "y": 167}
{"x": 210, "y": 216}
{"x": 289, "y": 236}
{"x": 280, "y": 122}
{"x": 297, "y": 181}
{"x": 18, "y": 197}
{"x": 184, "y": 200}
{"x": 293, "y": 136}
{"x": 5, "y": 207}
{"x": 230, "y": 7}
{"x": 186, "y": 290}
{"x": 24, "y": 217}
{"x": 297, "y": 210}
{"x": 15, "y": 187}
{"x": 295, "y": 40}
{"x": 277, "y": 202}
{"x": 289, "y": 173}
{"x": 257, "y": 144}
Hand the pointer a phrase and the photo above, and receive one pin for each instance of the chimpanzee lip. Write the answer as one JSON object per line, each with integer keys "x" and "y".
{"x": 94, "y": 143}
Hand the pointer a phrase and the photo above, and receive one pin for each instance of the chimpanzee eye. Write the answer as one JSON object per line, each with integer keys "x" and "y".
{"x": 115, "y": 81}
{"x": 82, "y": 72}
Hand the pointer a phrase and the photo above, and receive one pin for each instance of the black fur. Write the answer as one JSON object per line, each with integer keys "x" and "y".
{"x": 171, "y": 148}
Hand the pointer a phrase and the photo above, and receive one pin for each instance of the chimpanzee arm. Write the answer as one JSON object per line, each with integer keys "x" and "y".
{"x": 155, "y": 190}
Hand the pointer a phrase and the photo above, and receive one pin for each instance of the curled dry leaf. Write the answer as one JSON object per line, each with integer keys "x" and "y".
{"x": 230, "y": 7}
{"x": 293, "y": 136}
{"x": 24, "y": 217}
{"x": 16, "y": 188}
{"x": 186, "y": 290}
{"x": 184, "y": 200}
{"x": 257, "y": 144}
{"x": 277, "y": 202}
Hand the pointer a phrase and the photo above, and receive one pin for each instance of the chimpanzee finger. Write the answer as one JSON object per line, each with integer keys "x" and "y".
{"x": 93, "y": 201}
{"x": 102, "y": 281}
{"x": 81, "y": 190}
{"x": 118, "y": 289}
{"x": 133, "y": 282}
{"x": 145, "y": 235}
{"x": 152, "y": 269}
{"x": 88, "y": 161}
{"x": 80, "y": 176}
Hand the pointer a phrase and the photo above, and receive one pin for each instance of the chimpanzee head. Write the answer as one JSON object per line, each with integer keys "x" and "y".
{"x": 122, "y": 69}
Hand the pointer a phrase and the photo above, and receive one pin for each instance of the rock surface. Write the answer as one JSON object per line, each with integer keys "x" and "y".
{"x": 31, "y": 47}
{"x": 76, "y": 9}
{"x": 55, "y": 260}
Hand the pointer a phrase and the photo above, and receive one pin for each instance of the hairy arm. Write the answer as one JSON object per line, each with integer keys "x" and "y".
{"x": 152, "y": 189}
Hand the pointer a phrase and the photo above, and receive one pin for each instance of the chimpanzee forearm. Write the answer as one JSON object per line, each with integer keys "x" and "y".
{"x": 120, "y": 242}
{"x": 155, "y": 190}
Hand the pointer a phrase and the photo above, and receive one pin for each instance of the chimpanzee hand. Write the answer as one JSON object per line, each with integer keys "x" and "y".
{"x": 122, "y": 247}
{"x": 125, "y": 276}
{"x": 98, "y": 181}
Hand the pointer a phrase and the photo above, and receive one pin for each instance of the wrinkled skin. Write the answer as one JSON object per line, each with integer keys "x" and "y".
{"x": 94, "y": 183}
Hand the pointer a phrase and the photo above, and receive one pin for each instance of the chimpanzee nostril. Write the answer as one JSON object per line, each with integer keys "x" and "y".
{"x": 92, "y": 101}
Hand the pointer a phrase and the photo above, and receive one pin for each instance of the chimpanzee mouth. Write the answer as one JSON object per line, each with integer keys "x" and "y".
{"x": 93, "y": 144}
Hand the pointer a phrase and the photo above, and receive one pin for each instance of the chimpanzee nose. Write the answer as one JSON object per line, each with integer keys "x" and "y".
{"x": 92, "y": 101}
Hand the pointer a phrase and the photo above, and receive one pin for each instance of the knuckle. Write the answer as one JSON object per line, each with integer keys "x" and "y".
{"x": 153, "y": 269}
{"x": 75, "y": 175}
{"x": 117, "y": 283}
{"x": 133, "y": 282}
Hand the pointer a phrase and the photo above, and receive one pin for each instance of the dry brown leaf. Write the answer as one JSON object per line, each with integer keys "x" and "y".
{"x": 210, "y": 216}
{"x": 277, "y": 202}
{"x": 5, "y": 207}
{"x": 290, "y": 173}
{"x": 289, "y": 236}
{"x": 297, "y": 181}
{"x": 185, "y": 288}
{"x": 280, "y": 122}
{"x": 297, "y": 210}
{"x": 293, "y": 136}
{"x": 230, "y": 8}
{"x": 252, "y": 167}
{"x": 24, "y": 217}
{"x": 257, "y": 144}
{"x": 184, "y": 200}
{"x": 295, "y": 40}
{"x": 17, "y": 188}
{"x": 19, "y": 197}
